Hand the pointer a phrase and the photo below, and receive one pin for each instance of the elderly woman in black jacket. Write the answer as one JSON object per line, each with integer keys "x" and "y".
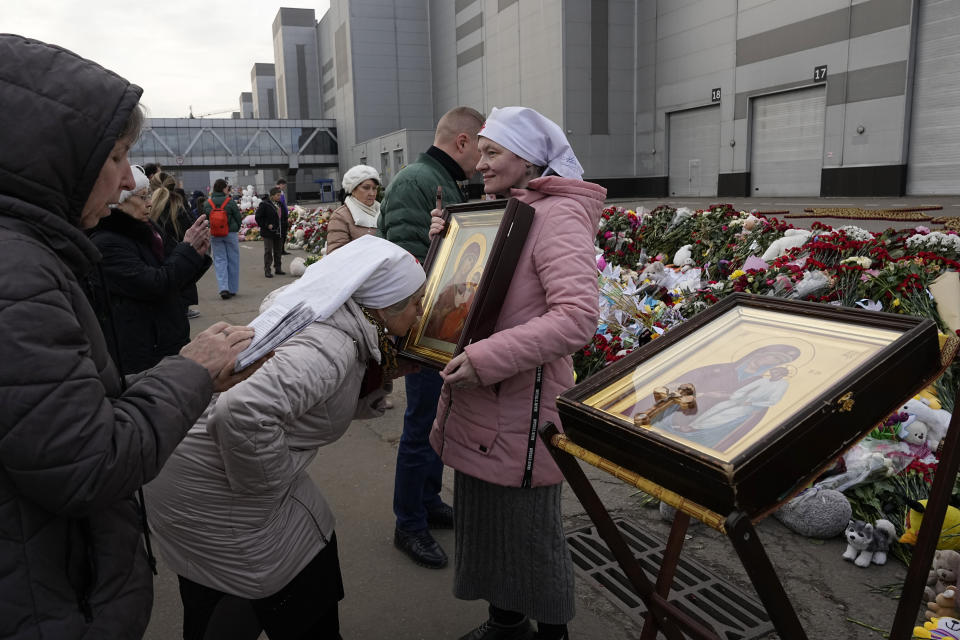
{"x": 145, "y": 272}
{"x": 76, "y": 439}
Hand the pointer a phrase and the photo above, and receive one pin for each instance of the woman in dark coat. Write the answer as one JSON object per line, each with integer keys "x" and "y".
{"x": 75, "y": 440}
{"x": 146, "y": 272}
{"x": 168, "y": 209}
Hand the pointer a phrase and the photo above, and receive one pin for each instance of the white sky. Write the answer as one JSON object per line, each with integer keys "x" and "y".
{"x": 182, "y": 52}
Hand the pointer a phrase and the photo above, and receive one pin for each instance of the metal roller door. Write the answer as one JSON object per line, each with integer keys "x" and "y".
{"x": 694, "y": 151}
{"x": 934, "y": 163}
{"x": 787, "y": 143}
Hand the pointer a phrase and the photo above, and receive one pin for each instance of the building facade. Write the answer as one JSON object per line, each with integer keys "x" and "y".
{"x": 263, "y": 80}
{"x": 668, "y": 97}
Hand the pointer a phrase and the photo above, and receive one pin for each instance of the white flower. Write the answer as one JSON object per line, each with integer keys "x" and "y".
{"x": 856, "y": 233}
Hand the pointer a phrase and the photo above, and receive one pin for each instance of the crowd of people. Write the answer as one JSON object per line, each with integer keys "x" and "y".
{"x": 114, "y": 417}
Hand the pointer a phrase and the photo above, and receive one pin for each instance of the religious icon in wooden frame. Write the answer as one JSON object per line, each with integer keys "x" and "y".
{"x": 743, "y": 404}
{"x": 469, "y": 268}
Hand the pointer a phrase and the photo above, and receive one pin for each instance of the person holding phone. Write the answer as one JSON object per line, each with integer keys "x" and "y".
{"x": 143, "y": 278}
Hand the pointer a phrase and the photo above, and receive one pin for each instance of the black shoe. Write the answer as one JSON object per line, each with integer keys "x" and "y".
{"x": 225, "y": 294}
{"x": 284, "y": 253}
{"x": 267, "y": 274}
{"x": 280, "y": 272}
{"x": 421, "y": 547}
{"x": 441, "y": 517}
{"x": 491, "y": 630}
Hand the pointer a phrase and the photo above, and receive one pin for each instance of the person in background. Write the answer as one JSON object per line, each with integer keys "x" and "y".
{"x": 359, "y": 214}
{"x": 235, "y": 511}
{"x": 511, "y": 550}
{"x": 284, "y": 215}
{"x": 268, "y": 219}
{"x": 150, "y": 169}
{"x": 226, "y": 249}
{"x": 405, "y": 220}
{"x": 196, "y": 203}
{"x": 357, "y": 218}
{"x": 76, "y": 438}
{"x": 169, "y": 210}
{"x": 138, "y": 293}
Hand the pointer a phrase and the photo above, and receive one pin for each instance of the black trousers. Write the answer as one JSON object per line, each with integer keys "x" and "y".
{"x": 305, "y": 609}
{"x": 272, "y": 248}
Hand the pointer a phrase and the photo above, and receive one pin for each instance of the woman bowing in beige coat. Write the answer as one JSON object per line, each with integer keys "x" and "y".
{"x": 234, "y": 511}
{"x": 358, "y": 215}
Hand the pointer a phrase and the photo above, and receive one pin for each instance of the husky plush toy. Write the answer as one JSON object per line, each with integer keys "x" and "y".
{"x": 868, "y": 543}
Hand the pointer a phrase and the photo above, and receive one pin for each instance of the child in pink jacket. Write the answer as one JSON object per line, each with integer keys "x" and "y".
{"x": 510, "y": 548}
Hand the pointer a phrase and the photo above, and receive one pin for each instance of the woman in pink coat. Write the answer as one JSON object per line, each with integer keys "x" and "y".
{"x": 510, "y": 548}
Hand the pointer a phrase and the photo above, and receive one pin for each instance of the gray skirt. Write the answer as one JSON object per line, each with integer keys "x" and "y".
{"x": 511, "y": 550}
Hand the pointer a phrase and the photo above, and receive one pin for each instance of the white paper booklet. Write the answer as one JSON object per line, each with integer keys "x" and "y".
{"x": 272, "y": 328}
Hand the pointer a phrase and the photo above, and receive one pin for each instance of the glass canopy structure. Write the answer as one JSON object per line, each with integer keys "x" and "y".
{"x": 237, "y": 144}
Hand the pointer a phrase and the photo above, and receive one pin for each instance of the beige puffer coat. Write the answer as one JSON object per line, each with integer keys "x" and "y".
{"x": 234, "y": 508}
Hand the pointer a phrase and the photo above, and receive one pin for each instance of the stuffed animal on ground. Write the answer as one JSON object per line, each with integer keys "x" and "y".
{"x": 791, "y": 238}
{"x": 949, "y": 532}
{"x": 868, "y": 543}
{"x": 936, "y": 420}
{"x": 944, "y": 605}
{"x": 816, "y": 513}
{"x": 944, "y": 572}
{"x": 939, "y": 629}
{"x": 297, "y": 266}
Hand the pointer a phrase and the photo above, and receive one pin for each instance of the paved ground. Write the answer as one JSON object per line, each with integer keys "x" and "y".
{"x": 389, "y": 597}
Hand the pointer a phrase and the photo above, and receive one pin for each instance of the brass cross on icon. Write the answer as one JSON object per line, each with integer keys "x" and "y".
{"x": 685, "y": 397}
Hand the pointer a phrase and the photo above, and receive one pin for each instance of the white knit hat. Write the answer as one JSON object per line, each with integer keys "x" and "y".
{"x": 141, "y": 180}
{"x": 358, "y": 174}
{"x": 533, "y": 137}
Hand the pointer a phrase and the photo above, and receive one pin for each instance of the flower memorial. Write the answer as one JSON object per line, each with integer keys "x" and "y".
{"x": 658, "y": 268}
{"x": 308, "y": 230}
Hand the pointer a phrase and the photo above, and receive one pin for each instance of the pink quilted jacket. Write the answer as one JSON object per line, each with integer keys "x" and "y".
{"x": 550, "y": 311}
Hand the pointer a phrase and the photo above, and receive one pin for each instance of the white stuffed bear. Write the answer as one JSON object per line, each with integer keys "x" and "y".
{"x": 684, "y": 256}
{"x": 792, "y": 238}
{"x": 936, "y": 420}
{"x": 297, "y": 266}
{"x": 913, "y": 431}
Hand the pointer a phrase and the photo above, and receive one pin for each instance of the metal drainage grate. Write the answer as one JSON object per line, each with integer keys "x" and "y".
{"x": 717, "y": 604}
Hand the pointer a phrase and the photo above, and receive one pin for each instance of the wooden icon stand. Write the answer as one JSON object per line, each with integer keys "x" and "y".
{"x": 733, "y": 487}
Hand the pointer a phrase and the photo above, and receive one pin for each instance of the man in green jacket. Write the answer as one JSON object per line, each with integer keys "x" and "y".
{"x": 405, "y": 220}
{"x": 226, "y": 249}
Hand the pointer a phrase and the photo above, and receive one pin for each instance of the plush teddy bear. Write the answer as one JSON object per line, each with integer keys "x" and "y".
{"x": 944, "y": 572}
{"x": 936, "y": 420}
{"x": 939, "y": 629}
{"x": 868, "y": 543}
{"x": 791, "y": 238}
{"x": 944, "y": 605}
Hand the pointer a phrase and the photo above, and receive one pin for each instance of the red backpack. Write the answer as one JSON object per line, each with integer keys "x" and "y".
{"x": 219, "y": 225}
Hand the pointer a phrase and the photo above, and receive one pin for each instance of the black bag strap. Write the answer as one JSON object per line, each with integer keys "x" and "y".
{"x": 526, "y": 483}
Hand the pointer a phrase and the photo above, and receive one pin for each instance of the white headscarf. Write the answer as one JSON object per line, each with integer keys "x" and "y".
{"x": 373, "y": 271}
{"x": 533, "y": 137}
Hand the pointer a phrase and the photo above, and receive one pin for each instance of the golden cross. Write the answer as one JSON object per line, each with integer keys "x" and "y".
{"x": 685, "y": 397}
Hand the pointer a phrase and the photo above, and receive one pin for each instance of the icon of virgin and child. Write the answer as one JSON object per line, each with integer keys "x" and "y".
{"x": 732, "y": 397}
{"x": 449, "y": 312}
